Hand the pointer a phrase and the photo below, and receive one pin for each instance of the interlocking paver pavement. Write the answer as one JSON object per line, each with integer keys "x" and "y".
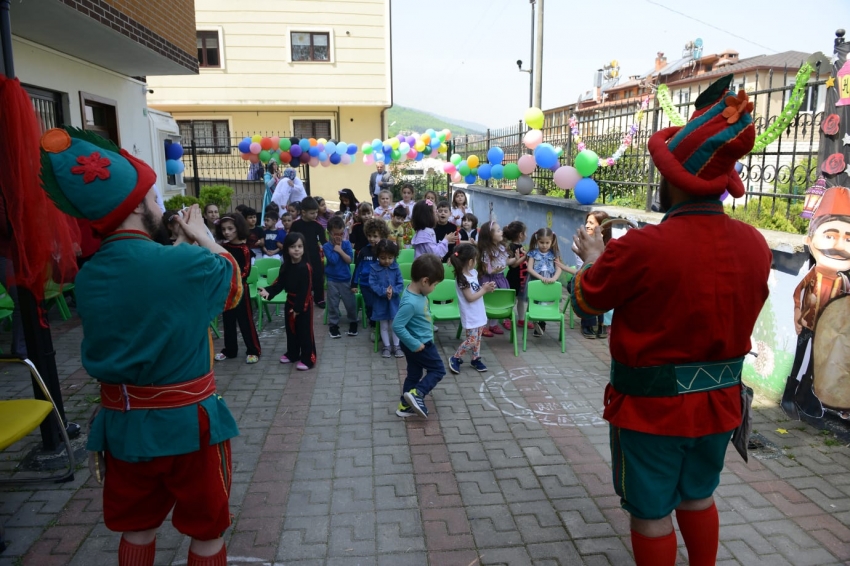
{"x": 511, "y": 468}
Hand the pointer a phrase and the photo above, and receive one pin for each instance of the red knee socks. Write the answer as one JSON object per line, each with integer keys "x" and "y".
{"x": 654, "y": 551}
{"x": 130, "y": 554}
{"x": 217, "y": 559}
{"x": 701, "y": 531}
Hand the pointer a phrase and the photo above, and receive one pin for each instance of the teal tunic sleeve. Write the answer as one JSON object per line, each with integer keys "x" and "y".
{"x": 146, "y": 310}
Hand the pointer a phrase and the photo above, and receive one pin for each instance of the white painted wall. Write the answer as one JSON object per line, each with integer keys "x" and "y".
{"x": 42, "y": 67}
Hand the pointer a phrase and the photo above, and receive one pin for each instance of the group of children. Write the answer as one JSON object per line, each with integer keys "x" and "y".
{"x": 319, "y": 247}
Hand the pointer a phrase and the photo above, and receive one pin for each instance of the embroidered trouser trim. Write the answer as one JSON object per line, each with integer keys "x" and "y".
{"x": 472, "y": 344}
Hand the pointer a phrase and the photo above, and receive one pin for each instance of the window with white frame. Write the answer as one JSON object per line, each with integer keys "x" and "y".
{"x": 310, "y": 46}
{"x": 209, "y": 49}
{"x": 210, "y": 136}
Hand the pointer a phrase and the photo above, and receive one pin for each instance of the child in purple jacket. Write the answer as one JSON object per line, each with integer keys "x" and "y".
{"x": 424, "y": 241}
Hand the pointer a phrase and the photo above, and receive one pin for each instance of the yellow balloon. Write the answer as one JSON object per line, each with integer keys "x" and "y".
{"x": 425, "y": 138}
{"x": 394, "y": 143}
{"x": 322, "y": 141}
{"x": 420, "y": 145}
{"x": 443, "y": 148}
{"x": 472, "y": 161}
{"x": 534, "y": 118}
{"x": 256, "y": 138}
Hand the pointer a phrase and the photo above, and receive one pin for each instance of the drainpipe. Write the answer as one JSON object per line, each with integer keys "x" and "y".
{"x": 384, "y": 111}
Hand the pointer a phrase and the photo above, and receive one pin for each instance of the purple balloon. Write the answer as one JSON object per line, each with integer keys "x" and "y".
{"x": 296, "y": 151}
{"x": 724, "y": 196}
{"x": 401, "y": 137}
{"x": 555, "y": 167}
{"x": 305, "y": 157}
{"x": 411, "y": 141}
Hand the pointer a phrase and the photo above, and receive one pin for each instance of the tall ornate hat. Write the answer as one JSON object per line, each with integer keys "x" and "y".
{"x": 89, "y": 177}
{"x": 834, "y": 202}
{"x": 699, "y": 157}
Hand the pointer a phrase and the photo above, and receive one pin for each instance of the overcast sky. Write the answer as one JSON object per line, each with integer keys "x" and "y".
{"x": 457, "y": 58}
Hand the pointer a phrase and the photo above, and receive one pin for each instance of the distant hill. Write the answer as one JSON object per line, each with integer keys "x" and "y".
{"x": 401, "y": 118}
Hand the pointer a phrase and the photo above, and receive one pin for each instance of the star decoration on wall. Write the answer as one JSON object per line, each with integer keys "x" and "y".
{"x": 830, "y": 82}
{"x": 846, "y": 139}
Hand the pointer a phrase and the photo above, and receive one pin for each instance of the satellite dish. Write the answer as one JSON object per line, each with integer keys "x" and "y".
{"x": 698, "y": 42}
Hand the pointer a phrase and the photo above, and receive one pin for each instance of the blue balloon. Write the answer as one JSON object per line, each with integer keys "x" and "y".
{"x": 330, "y": 147}
{"x": 314, "y": 151}
{"x": 351, "y": 149}
{"x": 379, "y": 156}
{"x": 435, "y": 143}
{"x": 586, "y": 191}
{"x": 470, "y": 179}
{"x": 172, "y": 167}
{"x": 484, "y": 171}
{"x": 497, "y": 171}
{"x": 545, "y": 155}
{"x": 341, "y": 148}
{"x": 174, "y": 150}
{"x": 419, "y": 156}
{"x": 335, "y": 158}
{"x": 495, "y": 155}
{"x": 387, "y": 148}
{"x": 244, "y": 146}
{"x": 377, "y": 145}
{"x": 304, "y": 145}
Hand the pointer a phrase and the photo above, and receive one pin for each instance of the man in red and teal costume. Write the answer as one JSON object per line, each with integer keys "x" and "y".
{"x": 686, "y": 295}
{"x": 145, "y": 310}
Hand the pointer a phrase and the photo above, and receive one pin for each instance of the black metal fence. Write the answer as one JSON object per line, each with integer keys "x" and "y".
{"x": 776, "y": 177}
{"x": 210, "y": 161}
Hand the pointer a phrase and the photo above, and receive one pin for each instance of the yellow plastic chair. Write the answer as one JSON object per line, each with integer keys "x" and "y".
{"x": 19, "y": 417}
{"x": 544, "y": 304}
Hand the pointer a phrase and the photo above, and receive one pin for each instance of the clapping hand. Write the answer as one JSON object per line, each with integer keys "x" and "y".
{"x": 390, "y": 292}
{"x": 192, "y": 223}
{"x": 263, "y": 293}
{"x": 489, "y": 287}
{"x": 451, "y": 237}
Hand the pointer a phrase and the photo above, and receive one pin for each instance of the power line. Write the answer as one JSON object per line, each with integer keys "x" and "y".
{"x": 710, "y": 25}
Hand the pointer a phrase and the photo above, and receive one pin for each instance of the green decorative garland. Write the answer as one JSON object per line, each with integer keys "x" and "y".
{"x": 771, "y": 133}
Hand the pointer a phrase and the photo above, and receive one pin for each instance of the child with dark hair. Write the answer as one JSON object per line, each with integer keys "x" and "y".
{"x": 400, "y": 230}
{"x": 543, "y": 259}
{"x": 324, "y": 214}
{"x": 407, "y": 201}
{"x": 314, "y": 239}
{"x": 425, "y": 240}
{"x": 473, "y": 315}
{"x": 375, "y": 230}
{"x": 470, "y": 224}
{"x": 256, "y": 235}
{"x": 414, "y": 327}
{"x": 517, "y": 276}
{"x": 357, "y": 235}
{"x": 493, "y": 258}
{"x": 443, "y": 227}
{"x": 387, "y": 284}
{"x": 294, "y": 209}
{"x": 296, "y": 279}
{"x": 272, "y": 237}
{"x": 339, "y": 256}
{"x": 232, "y": 232}
{"x": 347, "y": 201}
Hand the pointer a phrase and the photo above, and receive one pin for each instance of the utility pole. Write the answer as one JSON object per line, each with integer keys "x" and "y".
{"x": 538, "y": 59}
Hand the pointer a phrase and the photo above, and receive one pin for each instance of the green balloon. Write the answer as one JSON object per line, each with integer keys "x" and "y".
{"x": 396, "y": 155}
{"x": 367, "y": 149}
{"x": 456, "y": 159}
{"x": 464, "y": 170}
{"x": 586, "y": 163}
{"x": 285, "y": 144}
{"x": 474, "y": 171}
{"x": 511, "y": 172}
{"x": 265, "y": 155}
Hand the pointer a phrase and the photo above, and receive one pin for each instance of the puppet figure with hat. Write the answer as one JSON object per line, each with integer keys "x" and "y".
{"x": 828, "y": 241}
{"x": 161, "y": 430}
{"x": 687, "y": 293}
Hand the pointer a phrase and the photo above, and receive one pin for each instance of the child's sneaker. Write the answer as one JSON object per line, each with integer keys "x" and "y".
{"x": 397, "y": 352}
{"x": 385, "y": 353}
{"x": 285, "y": 360}
{"x": 521, "y": 323}
{"x": 352, "y": 329}
{"x": 252, "y": 359}
{"x": 454, "y": 364}
{"x": 478, "y": 364}
{"x": 486, "y": 333}
{"x": 321, "y": 304}
{"x": 334, "y": 331}
{"x": 602, "y": 332}
{"x": 404, "y": 411}
{"x": 507, "y": 324}
{"x": 496, "y": 329}
{"x": 588, "y": 333}
{"x": 301, "y": 366}
{"x": 220, "y": 357}
{"x": 417, "y": 403}
{"x": 538, "y": 331}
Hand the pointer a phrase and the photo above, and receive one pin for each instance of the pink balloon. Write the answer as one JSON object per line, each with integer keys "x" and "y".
{"x": 346, "y": 159}
{"x": 457, "y": 177}
{"x": 533, "y": 138}
{"x": 566, "y": 177}
{"x": 325, "y": 163}
{"x": 449, "y": 167}
{"x": 412, "y": 153}
{"x": 369, "y": 159}
{"x": 314, "y": 161}
{"x": 276, "y": 142}
{"x": 526, "y": 164}
{"x": 256, "y": 148}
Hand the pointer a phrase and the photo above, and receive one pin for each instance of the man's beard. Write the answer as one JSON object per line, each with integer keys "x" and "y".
{"x": 154, "y": 226}
{"x": 665, "y": 199}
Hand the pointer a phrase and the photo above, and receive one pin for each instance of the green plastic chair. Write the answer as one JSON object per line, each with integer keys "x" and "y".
{"x": 280, "y": 299}
{"x": 448, "y": 271}
{"x": 406, "y": 255}
{"x": 405, "y": 270}
{"x": 443, "y": 301}
{"x": 499, "y": 305}
{"x": 568, "y": 305}
{"x": 544, "y": 304}
{"x": 53, "y": 292}
{"x": 262, "y": 266}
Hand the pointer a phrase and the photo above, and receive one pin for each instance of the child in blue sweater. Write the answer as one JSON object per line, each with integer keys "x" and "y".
{"x": 375, "y": 231}
{"x": 386, "y": 282}
{"x": 339, "y": 255}
{"x": 413, "y": 326}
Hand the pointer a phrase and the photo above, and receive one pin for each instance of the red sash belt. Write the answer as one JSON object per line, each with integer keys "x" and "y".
{"x": 125, "y": 397}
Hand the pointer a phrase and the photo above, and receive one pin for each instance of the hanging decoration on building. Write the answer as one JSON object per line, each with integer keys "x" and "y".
{"x": 401, "y": 148}
{"x": 310, "y": 151}
{"x": 173, "y": 153}
{"x": 624, "y": 145}
{"x": 666, "y": 104}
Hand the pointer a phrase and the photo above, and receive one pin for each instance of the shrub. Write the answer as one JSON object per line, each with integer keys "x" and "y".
{"x": 180, "y": 201}
{"x": 764, "y": 217}
{"x": 219, "y": 195}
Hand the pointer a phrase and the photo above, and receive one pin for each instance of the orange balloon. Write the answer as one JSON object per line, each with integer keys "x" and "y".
{"x": 313, "y": 142}
{"x": 425, "y": 138}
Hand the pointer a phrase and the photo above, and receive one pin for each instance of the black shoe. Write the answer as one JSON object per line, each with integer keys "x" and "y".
{"x": 320, "y": 304}
{"x": 352, "y": 329}
{"x": 72, "y": 430}
{"x": 601, "y": 332}
{"x": 542, "y": 325}
{"x": 334, "y": 331}
{"x": 787, "y": 403}
{"x": 588, "y": 333}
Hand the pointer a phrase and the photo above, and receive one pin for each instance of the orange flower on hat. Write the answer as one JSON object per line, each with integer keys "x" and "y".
{"x": 736, "y": 106}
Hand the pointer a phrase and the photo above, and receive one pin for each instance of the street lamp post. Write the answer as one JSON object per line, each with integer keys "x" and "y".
{"x": 530, "y": 69}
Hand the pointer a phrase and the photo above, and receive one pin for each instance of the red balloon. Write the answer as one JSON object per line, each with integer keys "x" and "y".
{"x": 266, "y": 143}
{"x": 285, "y": 157}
